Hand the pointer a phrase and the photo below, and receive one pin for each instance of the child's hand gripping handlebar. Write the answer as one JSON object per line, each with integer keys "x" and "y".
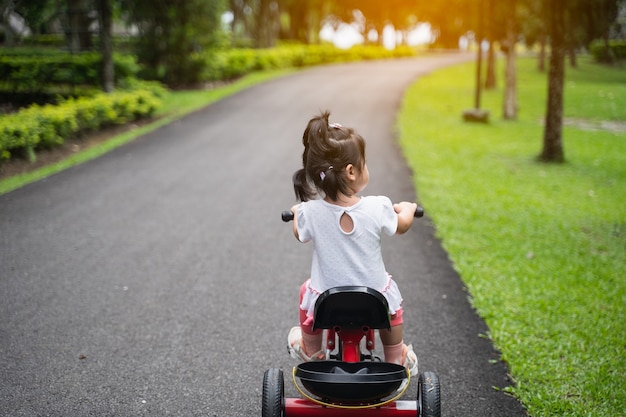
{"x": 287, "y": 215}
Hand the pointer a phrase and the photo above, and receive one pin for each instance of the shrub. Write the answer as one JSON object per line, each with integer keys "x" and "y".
{"x": 20, "y": 132}
{"x": 239, "y": 62}
{"x": 38, "y": 72}
{"x": 233, "y": 63}
{"x": 616, "y": 50}
{"x": 47, "y": 126}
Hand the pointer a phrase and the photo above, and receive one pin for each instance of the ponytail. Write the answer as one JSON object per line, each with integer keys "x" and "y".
{"x": 301, "y": 186}
{"x": 316, "y": 134}
{"x": 328, "y": 149}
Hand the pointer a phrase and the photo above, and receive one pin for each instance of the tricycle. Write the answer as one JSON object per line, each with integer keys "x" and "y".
{"x": 351, "y": 379}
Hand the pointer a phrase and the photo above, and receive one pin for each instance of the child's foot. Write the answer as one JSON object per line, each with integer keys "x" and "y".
{"x": 296, "y": 347}
{"x": 409, "y": 359}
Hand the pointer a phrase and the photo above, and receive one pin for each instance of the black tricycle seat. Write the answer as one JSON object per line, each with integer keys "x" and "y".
{"x": 351, "y": 307}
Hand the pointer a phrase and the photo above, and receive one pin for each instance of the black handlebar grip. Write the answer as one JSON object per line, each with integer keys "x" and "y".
{"x": 419, "y": 212}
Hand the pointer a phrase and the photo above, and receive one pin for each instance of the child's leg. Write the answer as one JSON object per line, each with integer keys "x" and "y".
{"x": 311, "y": 340}
{"x": 393, "y": 344}
{"x": 394, "y": 348}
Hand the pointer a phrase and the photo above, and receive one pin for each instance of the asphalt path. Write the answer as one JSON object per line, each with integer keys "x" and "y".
{"x": 158, "y": 280}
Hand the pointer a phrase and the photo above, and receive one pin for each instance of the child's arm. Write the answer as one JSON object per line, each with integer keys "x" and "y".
{"x": 295, "y": 221}
{"x": 406, "y": 213}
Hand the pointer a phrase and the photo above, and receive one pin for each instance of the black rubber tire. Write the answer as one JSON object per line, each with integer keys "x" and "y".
{"x": 273, "y": 393}
{"x": 428, "y": 395}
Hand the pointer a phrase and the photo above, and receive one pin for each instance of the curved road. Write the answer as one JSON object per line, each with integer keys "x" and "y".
{"x": 158, "y": 279}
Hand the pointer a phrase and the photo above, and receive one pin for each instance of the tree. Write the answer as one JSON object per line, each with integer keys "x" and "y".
{"x": 493, "y": 32}
{"x": 531, "y": 23}
{"x": 449, "y": 19}
{"x": 267, "y": 24}
{"x": 105, "y": 12}
{"x": 78, "y": 21}
{"x": 7, "y": 8}
{"x": 262, "y": 22}
{"x": 569, "y": 23}
{"x": 76, "y": 17}
{"x": 509, "y": 107}
{"x": 170, "y": 34}
{"x": 552, "y": 136}
{"x": 305, "y": 18}
{"x": 239, "y": 24}
{"x": 299, "y": 14}
{"x": 597, "y": 17}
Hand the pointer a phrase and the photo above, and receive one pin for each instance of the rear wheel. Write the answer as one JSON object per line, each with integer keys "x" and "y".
{"x": 273, "y": 393}
{"x": 428, "y": 395}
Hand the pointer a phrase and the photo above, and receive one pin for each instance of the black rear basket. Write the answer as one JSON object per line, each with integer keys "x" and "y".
{"x": 351, "y": 383}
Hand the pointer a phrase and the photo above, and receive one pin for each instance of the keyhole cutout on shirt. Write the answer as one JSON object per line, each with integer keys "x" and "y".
{"x": 346, "y": 223}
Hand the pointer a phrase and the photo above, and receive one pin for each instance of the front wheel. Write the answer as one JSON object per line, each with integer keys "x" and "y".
{"x": 428, "y": 395}
{"x": 273, "y": 393}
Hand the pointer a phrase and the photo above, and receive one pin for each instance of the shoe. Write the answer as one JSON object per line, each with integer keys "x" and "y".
{"x": 410, "y": 359}
{"x": 294, "y": 346}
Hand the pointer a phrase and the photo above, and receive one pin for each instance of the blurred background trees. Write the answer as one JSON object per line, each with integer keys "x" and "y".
{"x": 171, "y": 39}
{"x": 177, "y": 28}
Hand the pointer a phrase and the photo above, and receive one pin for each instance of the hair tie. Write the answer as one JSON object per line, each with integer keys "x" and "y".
{"x": 335, "y": 125}
{"x": 323, "y": 173}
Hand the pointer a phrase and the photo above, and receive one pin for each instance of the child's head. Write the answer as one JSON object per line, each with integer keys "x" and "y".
{"x": 328, "y": 150}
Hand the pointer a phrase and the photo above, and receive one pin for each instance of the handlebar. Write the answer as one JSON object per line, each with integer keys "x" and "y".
{"x": 287, "y": 215}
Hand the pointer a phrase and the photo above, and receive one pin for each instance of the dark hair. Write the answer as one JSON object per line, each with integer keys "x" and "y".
{"x": 328, "y": 149}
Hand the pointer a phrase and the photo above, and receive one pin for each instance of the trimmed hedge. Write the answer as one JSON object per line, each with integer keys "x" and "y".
{"x": 46, "y": 126}
{"x": 233, "y": 63}
{"x": 37, "y": 72}
{"x": 58, "y": 41}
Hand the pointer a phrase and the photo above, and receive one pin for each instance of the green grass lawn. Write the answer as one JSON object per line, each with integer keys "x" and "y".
{"x": 541, "y": 247}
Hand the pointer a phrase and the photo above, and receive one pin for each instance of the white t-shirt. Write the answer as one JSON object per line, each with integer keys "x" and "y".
{"x": 348, "y": 258}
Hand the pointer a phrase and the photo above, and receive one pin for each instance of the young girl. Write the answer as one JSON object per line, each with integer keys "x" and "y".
{"x": 346, "y": 231}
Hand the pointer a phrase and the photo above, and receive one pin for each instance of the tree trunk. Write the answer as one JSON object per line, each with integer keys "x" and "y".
{"x": 553, "y": 130}
{"x": 541, "y": 64}
{"x": 267, "y": 26}
{"x": 479, "y": 64}
{"x": 489, "y": 33}
{"x": 106, "y": 40}
{"x": 571, "y": 52}
{"x": 298, "y": 23}
{"x": 510, "y": 91}
{"x": 78, "y": 21}
{"x": 238, "y": 25}
{"x": 490, "y": 77}
{"x": 479, "y": 58}
{"x": 6, "y": 8}
{"x": 608, "y": 53}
